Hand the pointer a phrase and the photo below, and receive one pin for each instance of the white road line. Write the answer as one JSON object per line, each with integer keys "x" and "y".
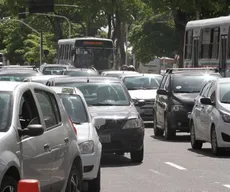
{"x": 175, "y": 166}
{"x": 228, "y": 186}
{"x": 156, "y": 172}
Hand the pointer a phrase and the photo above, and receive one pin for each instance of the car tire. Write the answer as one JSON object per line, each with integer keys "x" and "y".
{"x": 169, "y": 132}
{"x": 95, "y": 184}
{"x": 74, "y": 181}
{"x": 9, "y": 184}
{"x": 137, "y": 156}
{"x": 196, "y": 144}
{"x": 216, "y": 151}
{"x": 157, "y": 132}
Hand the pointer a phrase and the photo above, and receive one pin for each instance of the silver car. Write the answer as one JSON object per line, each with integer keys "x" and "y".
{"x": 38, "y": 139}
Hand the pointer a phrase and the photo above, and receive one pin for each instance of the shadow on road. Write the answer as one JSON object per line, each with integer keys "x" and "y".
{"x": 111, "y": 160}
{"x": 149, "y": 125}
{"x": 207, "y": 152}
{"x": 177, "y": 139}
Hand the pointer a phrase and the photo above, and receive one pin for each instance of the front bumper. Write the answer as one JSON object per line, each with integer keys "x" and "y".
{"x": 122, "y": 140}
{"x": 146, "y": 112}
{"x": 223, "y": 134}
{"x": 91, "y": 164}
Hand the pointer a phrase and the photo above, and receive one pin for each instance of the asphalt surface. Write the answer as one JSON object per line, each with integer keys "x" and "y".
{"x": 167, "y": 167}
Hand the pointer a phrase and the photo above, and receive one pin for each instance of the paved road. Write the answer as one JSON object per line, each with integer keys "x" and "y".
{"x": 167, "y": 167}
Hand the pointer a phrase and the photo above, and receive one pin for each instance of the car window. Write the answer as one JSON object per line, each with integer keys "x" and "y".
{"x": 140, "y": 82}
{"x": 5, "y": 110}
{"x": 224, "y": 93}
{"x": 163, "y": 82}
{"x": 53, "y": 70}
{"x": 16, "y": 77}
{"x": 101, "y": 94}
{"x": 28, "y": 112}
{"x": 74, "y": 107}
{"x": 166, "y": 86}
{"x": 49, "y": 108}
{"x": 189, "y": 83}
{"x": 205, "y": 90}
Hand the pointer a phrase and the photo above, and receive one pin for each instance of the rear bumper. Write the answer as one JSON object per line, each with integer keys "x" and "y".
{"x": 179, "y": 121}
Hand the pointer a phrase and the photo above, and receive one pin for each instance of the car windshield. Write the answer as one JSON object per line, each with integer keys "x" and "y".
{"x": 75, "y": 108}
{"x": 5, "y": 110}
{"x": 16, "y": 77}
{"x": 141, "y": 82}
{"x": 53, "y": 70}
{"x": 224, "y": 93}
{"x": 81, "y": 73}
{"x": 190, "y": 83}
{"x": 101, "y": 94}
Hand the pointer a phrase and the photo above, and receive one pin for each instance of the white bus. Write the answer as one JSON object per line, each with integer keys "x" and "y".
{"x": 207, "y": 44}
{"x": 87, "y": 52}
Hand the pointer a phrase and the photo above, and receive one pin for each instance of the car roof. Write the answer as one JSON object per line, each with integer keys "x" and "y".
{"x": 80, "y": 69}
{"x": 223, "y": 80}
{"x": 141, "y": 75}
{"x": 8, "y": 85}
{"x": 56, "y": 65}
{"x": 19, "y": 71}
{"x": 86, "y": 79}
{"x": 46, "y": 77}
{"x": 118, "y": 72}
{"x": 197, "y": 73}
{"x": 67, "y": 90}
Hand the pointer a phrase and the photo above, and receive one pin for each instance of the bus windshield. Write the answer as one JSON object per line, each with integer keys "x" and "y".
{"x": 99, "y": 58}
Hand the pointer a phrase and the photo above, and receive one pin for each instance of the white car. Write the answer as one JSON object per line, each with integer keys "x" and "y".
{"x": 88, "y": 139}
{"x": 210, "y": 118}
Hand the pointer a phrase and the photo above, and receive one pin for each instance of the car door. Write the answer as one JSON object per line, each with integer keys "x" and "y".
{"x": 197, "y": 110}
{"x": 203, "y": 109}
{"x": 159, "y": 104}
{"x": 208, "y": 112}
{"x": 36, "y": 157}
{"x": 57, "y": 135}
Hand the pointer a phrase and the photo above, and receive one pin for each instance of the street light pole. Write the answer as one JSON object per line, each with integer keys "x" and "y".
{"x": 34, "y": 30}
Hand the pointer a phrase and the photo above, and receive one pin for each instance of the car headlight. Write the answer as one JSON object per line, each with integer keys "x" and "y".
{"x": 86, "y": 147}
{"x": 225, "y": 117}
{"x": 177, "y": 107}
{"x": 134, "y": 123}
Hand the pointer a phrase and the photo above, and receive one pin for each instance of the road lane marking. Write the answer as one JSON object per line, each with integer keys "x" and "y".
{"x": 228, "y": 186}
{"x": 156, "y": 172}
{"x": 175, "y": 166}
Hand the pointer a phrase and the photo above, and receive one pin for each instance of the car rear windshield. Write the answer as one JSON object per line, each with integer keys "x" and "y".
{"x": 141, "y": 82}
{"x": 81, "y": 73}
{"x": 53, "y": 70}
{"x": 16, "y": 77}
{"x": 74, "y": 107}
{"x": 190, "y": 83}
{"x": 101, "y": 94}
{"x": 5, "y": 110}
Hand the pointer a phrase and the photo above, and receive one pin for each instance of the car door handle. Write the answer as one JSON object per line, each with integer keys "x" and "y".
{"x": 66, "y": 139}
{"x": 47, "y": 146}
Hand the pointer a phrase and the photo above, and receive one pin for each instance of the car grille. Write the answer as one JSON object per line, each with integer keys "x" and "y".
{"x": 113, "y": 124}
{"x": 149, "y": 102}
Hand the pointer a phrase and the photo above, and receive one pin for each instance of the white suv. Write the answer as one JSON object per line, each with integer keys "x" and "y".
{"x": 89, "y": 144}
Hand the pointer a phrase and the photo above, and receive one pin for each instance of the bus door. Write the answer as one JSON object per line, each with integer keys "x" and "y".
{"x": 223, "y": 55}
{"x": 195, "y": 51}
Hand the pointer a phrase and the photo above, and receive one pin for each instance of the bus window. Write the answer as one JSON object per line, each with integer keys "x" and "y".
{"x": 206, "y": 34}
{"x": 188, "y": 45}
{"x": 229, "y": 43}
{"x": 214, "y": 44}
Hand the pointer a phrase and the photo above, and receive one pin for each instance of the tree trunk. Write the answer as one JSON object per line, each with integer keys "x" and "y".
{"x": 180, "y": 19}
{"x": 109, "y": 18}
{"x": 122, "y": 42}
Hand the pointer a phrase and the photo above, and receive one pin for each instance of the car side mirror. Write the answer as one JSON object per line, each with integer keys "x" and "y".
{"x": 32, "y": 130}
{"x": 162, "y": 92}
{"x": 206, "y": 101}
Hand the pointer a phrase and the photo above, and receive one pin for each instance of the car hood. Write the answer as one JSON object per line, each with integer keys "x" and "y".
{"x": 143, "y": 94}
{"x": 184, "y": 98}
{"x": 83, "y": 132}
{"x": 113, "y": 112}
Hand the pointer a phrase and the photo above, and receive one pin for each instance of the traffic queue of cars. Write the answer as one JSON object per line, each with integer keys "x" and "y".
{"x": 56, "y": 126}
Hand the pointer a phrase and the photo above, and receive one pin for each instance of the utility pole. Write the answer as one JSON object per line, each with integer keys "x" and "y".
{"x": 41, "y": 47}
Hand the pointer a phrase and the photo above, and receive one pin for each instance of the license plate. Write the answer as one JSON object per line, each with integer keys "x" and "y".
{"x": 105, "y": 138}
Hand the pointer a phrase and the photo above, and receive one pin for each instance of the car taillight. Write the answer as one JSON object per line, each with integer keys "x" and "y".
{"x": 74, "y": 128}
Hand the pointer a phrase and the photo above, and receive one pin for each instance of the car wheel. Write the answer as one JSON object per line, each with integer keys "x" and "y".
{"x": 169, "y": 133}
{"x": 74, "y": 181}
{"x": 137, "y": 156}
{"x": 215, "y": 149}
{"x": 157, "y": 132}
{"x": 95, "y": 184}
{"x": 9, "y": 184}
{"x": 196, "y": 144}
